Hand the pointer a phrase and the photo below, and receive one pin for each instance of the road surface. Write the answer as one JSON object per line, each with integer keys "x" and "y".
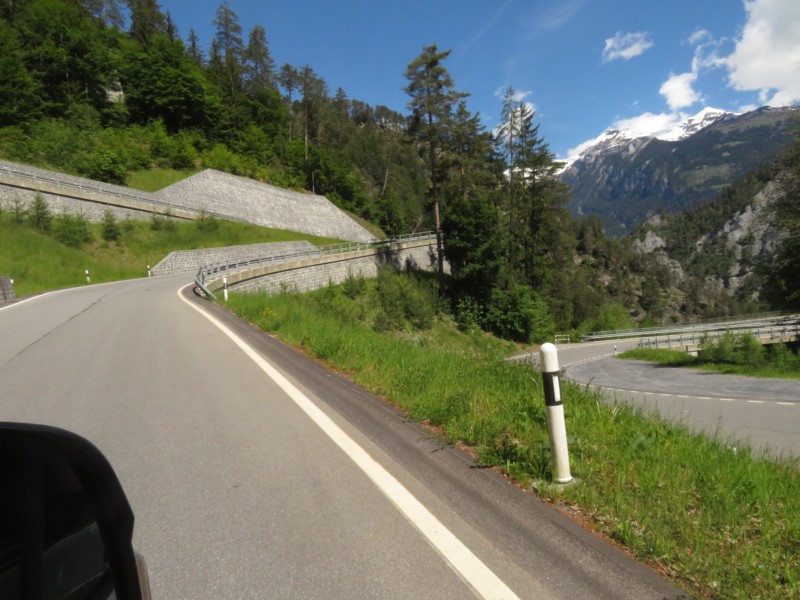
{"x": 256, "y": 473}
{"x": 763, "y": 413}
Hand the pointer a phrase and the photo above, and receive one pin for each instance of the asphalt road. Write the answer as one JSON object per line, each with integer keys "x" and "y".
{"x": 256, "y": 473}
{"x": 763, "y": 413}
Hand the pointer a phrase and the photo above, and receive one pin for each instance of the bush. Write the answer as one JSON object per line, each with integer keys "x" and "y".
{"x": 519, "y": 314}
{"x": 72, "y": 230}
{"x": 403, "y": 302}
{"x": 207, "y": 223}
{"x": 743, "y": 349}
{"x": 39, "y": 216}
{"x": 111, "y": 229}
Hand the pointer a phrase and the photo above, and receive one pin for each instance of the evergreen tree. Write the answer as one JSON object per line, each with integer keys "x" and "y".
{"x": 18, "y": 97}
{"x": 193, "y": 48}
{"x": 146, "y": 20}
{"x": 259, "y": 71}
{"x": 433, "y": 97}
{"x": 228, "y": 37}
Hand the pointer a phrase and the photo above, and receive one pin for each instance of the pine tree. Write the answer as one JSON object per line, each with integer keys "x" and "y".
{"x": 146, "y": 20}
{"x": 433, "y": 98}
{"x": 193, "y": 48}
{"x": 259, "y": 71}
{"x": 229, "y": 41}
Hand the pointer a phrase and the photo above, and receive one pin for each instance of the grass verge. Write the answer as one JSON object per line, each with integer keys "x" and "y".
{"x": 720, "y": 522}
{"x": 776, "y": 363}
{"x": 38, "y": 262}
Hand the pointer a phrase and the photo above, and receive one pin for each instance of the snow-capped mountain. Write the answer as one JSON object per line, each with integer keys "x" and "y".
{"x": 692, "y": 125}
{"x": 624, "y": 176}
{"x": 628, "y": 140}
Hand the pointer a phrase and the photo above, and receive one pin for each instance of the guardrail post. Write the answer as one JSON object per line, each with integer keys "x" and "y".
{"x": 557, "y": 429}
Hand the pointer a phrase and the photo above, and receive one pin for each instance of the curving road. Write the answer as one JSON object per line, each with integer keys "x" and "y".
{"x": 255, "y": 473}
{"x": 764, "y": 413}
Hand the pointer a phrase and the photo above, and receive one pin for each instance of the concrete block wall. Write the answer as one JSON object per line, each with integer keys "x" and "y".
{"x": 312, "y": 275}
{"x": 264, "y": 205}
{"x": 226, "y": 196}
{"x": 190, "y": 261}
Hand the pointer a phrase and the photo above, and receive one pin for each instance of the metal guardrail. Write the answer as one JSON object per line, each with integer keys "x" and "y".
{"x": 207, "y": 272}
{"x": 771, "y": 331}
{"x": 114, "y": 193}
{"x": 711, "y": 325}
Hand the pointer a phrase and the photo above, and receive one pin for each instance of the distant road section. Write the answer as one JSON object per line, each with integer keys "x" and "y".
{"x": 764, "y": 413}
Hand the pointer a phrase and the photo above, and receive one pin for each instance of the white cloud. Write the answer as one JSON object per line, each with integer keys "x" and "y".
{"x": 698, "y": 37}
{"x": 678, "y": 90}
{"x": 518, "y": 96}
{"x": 767, "y": 55}
{"x": 626, "y": 46}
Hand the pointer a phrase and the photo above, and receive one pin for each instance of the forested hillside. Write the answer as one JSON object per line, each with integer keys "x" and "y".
{"x": 109, "y": 89}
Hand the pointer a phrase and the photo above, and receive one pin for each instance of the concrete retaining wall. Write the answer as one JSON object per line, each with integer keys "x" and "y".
{"x": 186, "y": 261}
{"x": 211, "y": 192}
{"x": 264, "y": 205}
{"x": 319, "y": 271}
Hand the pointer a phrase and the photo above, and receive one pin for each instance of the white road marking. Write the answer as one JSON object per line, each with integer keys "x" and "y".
{"x": 786, "y": 403}
{"x": 471, "y": 569}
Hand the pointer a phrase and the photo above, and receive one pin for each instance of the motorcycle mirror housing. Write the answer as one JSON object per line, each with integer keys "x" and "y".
{"x": 66, "y": 527}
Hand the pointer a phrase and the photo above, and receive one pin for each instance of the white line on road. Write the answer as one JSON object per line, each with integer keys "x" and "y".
{"x": 471, "y": 569}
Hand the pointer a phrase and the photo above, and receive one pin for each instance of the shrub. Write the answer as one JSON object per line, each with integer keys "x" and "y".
{"x": 519, "y": 314}
{"x": 39, "y": 216}
{"x": 403, "y": 302}
{"x": 111, "y": 229}
{"x": 72, "y": 230}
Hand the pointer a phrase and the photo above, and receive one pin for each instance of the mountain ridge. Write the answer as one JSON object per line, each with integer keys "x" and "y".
{"x": 624, "y": 178}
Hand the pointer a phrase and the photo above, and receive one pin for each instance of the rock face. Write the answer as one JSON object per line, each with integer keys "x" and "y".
{"x": 263, "y": 204}
{"x": 747, "y": 237}
{"x": 624, "y": 178}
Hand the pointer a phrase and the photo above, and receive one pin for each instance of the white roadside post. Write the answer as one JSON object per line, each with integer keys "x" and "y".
{"x": 225, "y": 288}
{"x": 148, "y": 271}
{"x": 87, "y": 276}
{"x": 548, "y": 361}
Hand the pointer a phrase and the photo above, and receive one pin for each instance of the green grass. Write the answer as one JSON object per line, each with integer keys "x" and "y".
{"x": 152, "y": 180}
{"x": 766, "y": 367}
{"x": 721, "y": 522}
{"x": 39, "y": 263}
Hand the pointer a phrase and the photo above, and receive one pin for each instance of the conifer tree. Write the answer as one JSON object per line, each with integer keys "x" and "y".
{"x": 259, "y": 67}
{"x": 433, "y": 98}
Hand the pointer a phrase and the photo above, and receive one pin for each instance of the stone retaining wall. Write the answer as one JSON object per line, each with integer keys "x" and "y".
{"x": 264, "y": 205}
{"x": 317, "y": 272}
{"x": 212, "y": 192}
{"x": 186, "y": 261}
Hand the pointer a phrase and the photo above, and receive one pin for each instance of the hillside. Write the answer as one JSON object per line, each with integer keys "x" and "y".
{"x": 624, "y": 178}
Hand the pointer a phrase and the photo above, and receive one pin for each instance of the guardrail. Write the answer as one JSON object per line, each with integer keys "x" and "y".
{"x": 143, "y": 197}
{"x": 711, "y": 325}
{"x": 207, "y": 272}
{"x": 772, "y": 331}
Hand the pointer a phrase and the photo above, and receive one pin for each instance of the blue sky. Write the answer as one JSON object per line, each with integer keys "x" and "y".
{"x": 584, "y": 65}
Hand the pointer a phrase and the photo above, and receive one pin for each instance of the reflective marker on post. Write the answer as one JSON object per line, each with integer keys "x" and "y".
{"x": 548, "y": 361}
